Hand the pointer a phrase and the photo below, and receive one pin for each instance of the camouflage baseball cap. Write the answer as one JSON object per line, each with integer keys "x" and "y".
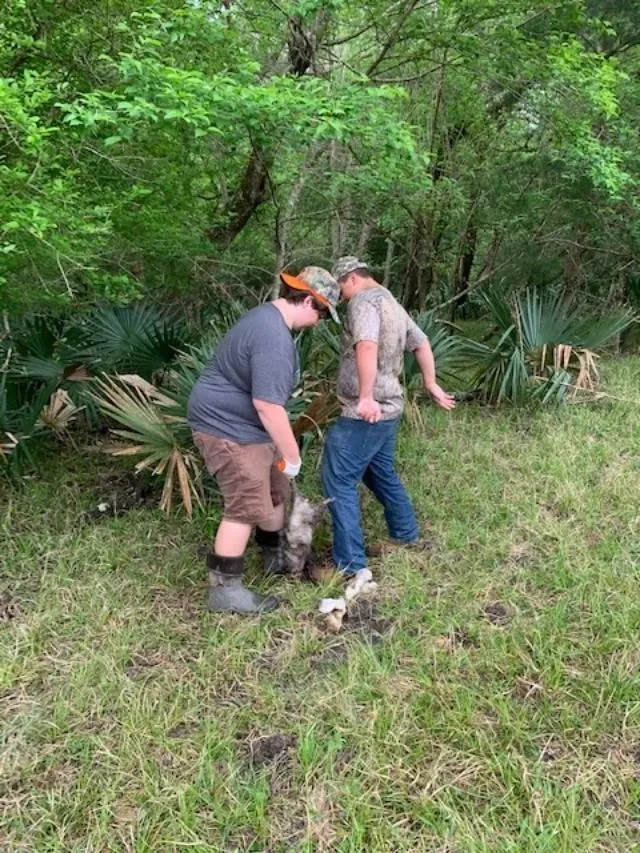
{"x": 347, "y": 264}
{"x": 319, "y": 283}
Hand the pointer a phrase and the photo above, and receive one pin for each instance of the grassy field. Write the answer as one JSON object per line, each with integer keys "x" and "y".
{"x": 491, "y": 701}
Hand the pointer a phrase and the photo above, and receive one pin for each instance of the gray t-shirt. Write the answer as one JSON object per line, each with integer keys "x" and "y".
{"x": 375, "y": 315}
{"x": 256, "y": 359}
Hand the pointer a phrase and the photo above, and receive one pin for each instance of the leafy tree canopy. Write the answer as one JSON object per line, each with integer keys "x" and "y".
{"x": 194, "y": 148}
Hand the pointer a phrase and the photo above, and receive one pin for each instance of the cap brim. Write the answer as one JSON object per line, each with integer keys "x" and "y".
{"x": 298, "y": 284}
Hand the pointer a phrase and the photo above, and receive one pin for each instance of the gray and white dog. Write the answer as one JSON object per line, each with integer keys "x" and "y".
{"x": 304, "y": 517}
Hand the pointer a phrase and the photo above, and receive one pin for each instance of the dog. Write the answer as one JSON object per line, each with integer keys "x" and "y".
{"x": 304, "y": 517}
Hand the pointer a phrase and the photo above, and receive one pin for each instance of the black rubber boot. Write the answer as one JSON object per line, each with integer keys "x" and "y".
{"x": 226, "y": 591}
{"x": 271, "y": 543}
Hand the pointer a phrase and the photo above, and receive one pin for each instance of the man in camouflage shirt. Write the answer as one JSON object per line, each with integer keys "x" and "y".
{"x": 360, "y": 446}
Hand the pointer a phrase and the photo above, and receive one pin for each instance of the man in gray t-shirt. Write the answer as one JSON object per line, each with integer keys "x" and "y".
{"x": 237, "y": 413}
{"x": 242, "y": 370}
{"x": 360, "y": 446}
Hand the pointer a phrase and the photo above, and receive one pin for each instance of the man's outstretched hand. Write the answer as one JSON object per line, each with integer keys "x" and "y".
{"x": 441, "y": 398}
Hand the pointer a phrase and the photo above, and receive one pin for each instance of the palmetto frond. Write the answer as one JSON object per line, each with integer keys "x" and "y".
{"x": 59, "y": 412}
{"x": 155, "y": 431}
{"x": 137, "y": 338}
{"x": 20, "y": 427}
{"x": 315, "y": 415}
{"x": 8, "y": 444}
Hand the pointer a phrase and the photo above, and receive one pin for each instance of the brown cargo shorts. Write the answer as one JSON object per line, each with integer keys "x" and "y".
{"x": 251, "y": 485}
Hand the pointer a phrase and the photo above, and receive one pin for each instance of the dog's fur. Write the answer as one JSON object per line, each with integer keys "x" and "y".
{"x": 303, "y": 519}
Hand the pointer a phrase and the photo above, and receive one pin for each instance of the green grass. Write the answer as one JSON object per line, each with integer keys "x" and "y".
{"x": 132, "y": 719}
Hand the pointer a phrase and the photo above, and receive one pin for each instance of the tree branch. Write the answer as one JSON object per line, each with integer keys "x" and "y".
{"x": 393, "y": 35}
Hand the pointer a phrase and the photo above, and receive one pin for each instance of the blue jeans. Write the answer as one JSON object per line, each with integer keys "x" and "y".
{"x": 355, "y": 452}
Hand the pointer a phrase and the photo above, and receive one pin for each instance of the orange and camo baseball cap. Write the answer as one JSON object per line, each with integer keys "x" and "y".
{"x": 319, "y": 283}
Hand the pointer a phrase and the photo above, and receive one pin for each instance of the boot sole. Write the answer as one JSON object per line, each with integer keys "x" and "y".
{"x": 266, "y": 608}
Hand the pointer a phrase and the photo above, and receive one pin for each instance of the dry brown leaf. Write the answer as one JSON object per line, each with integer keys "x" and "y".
{"x": 141, "y": 385}
{"x": 167, "y": 491}
{"x": 78, "y": 374}
{"x": 60, "y": 411}
{"x": 7, "y": 447}
{"x": 320, "y": 411}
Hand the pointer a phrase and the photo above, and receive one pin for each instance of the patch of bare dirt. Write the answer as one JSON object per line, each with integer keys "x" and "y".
{"x": 9, "y": 608}
{"x": 182, "y": 730}
{"x": 625, "y": 757}
{"x": 59, "y": 776}
{"x": 553, "y": 750}
{"x": 362, "y": 618}
{"x": 457, "y": 638}
{"x": 526, "y": 689}
{"x": 266, "y": 748}
{"x": 242, "y": 841}
{"x": 118, "y": 493}
{"x": 497, "y": 614}
{"x": 344, "y": 758}
{"x": 142, "y": 663}
{"x": 524, "y": 555}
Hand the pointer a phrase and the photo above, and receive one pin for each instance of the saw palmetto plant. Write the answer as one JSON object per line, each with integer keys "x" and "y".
{"x": 141, "y": 338}
{"x": 20, "y": 427}
{"x": 152, "y": 421}
{"x": 48, "y": 364}
{"x": 153, "y": 428}
{"x": 544, "y": 347}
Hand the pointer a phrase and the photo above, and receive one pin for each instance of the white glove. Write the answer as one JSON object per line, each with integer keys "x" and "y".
{"x": 289, "y": 469}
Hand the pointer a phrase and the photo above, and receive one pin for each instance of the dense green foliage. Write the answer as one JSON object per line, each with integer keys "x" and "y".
{"x": 191, "y": 149}
{"x": 159, "y": 165}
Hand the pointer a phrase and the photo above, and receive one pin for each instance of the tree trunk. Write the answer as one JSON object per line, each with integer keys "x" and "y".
{"x": 428, "y": 228}
{"x": 419, "y": 274}
{"x": 302, "y": 46}
{"x": 247, "y": 198}
{"x": 282, "y": 231}
{"x": 363, "y": 239}
{"x": 388, "y": 261}
{"x": 284, "y": 217}
{"x": 462, "y": 272}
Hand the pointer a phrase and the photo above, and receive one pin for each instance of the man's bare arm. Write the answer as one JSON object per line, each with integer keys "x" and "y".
{"x": 367, "y": 368}
{"x": 275, "y": 420}
{"x": 424, "y": 357}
